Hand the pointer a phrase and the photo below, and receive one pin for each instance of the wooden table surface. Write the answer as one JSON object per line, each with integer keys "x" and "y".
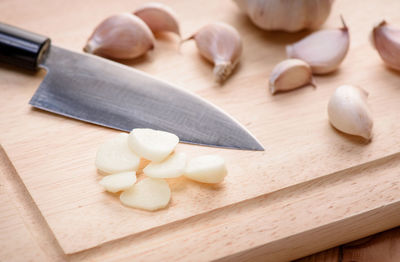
{"x": 313, "y": 188}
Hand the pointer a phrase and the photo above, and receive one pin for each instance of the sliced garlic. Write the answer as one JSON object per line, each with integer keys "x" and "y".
{"x": 323, "y": 50}
{"x": 173, "y": 166}
{"x": 290, "y": 74}
{"x": 115, "y": 156}
{"x": 386, "y": 40}
{"x": 152, "y": 144}
{"x": 348, "y": 111}
{"x": 148, "y": 194}
{"x": 118, "y": 182}
{"x": 159, "y": 17}
{"x": 291, "y": 16}
{"x": 220, "y": 44}
{"x": 206, "y": 169}
{"x": 122, "y": 36}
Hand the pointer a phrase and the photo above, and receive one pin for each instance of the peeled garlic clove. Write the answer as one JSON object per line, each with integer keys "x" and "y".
{"x": 323, "y": 50}
{"x": 122, "y": 36}
{"x": 173, "y": 166}
{"x": 348, "y": 111}
{"x": 291, "y": 16}
{"x": 159, "y": 17}
{"x": 152, "y": 144}
{"x": 118, "y": 182}
{"x": 290, "y": 74}
{"x": 220, "y": 44}
{"x": 206, "y": 169}
{"x": 115, "y": 156}
{"x": 386, "y": 40}
{"x": 148, "y": 194}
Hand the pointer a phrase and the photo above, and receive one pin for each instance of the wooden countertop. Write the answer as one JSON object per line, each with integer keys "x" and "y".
{"x": 312, "y": 189}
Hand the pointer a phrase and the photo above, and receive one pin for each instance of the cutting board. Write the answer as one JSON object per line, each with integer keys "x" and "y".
{"x": 309, "y": 178}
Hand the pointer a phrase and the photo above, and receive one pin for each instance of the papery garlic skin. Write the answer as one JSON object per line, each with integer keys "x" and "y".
{"x": 290, "y": 74}
{"x": 286, "y": 15}
{"x": 349, "y": 112}
{"x": 159, "y": 17}
{"x": 323, "y": 50}
{"x": 386, "y": 40}
{"x": 122, "y": 36}
{"x": 221, "y": 44}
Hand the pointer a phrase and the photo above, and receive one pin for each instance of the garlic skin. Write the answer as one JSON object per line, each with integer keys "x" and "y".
{"x": 220, "y": 44}
{"x": 386, "y": 40}
{"x": 323, "y": 50}
{"x": 159, "y": 18}
{"x": 286, "y": 15}
{"x": 290, "y": 74}
{"x": 122, "y": 36}
{"x": 349, "y": 112}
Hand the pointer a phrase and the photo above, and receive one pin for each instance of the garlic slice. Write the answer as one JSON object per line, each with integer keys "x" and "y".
{"x": 122, "y": 36}
{"x": 220, "y": 44}
{"x": 291, "y": 16}
{"x": 159, "y": 17}
{"x": 171, "y": 167}
{"x": 290, "y": 74}
{"x": 152, "y": 144}
{"x": 348, "y": 111}
{"x": 115, "y": 156}
{"x": 386, "y": 40}
{"x": 118, "y": 182}
{"x": 206, "y": 169}
{"x": 323, "y": 50}
{"x": 148, "y": 194}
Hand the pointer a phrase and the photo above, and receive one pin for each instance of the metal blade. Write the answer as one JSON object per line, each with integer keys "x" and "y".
{"x": 106, "y": 93}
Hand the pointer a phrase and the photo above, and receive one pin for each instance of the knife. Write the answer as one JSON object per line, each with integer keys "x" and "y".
{"x": 106, "y": 93}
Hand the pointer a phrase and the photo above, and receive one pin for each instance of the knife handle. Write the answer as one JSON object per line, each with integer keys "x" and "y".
{"x": 22, "y": 48}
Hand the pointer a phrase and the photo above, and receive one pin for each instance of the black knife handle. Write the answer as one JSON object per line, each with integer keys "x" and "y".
{"x": 22, "y": 48}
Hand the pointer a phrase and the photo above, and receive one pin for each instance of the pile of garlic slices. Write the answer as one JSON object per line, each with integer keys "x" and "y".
{"x": 119, "y": 159}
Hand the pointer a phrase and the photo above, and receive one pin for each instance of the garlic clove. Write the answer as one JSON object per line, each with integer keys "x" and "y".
{"x": 149, "y": 194}
{"x": 290, "y": 74}
{"x": 173, "y": 166}
{"x": 323, "y": 50}
{"x": 220, "y": 44}
{"x": 159, "y": 17}
{"x": 115, "y": 156}
{"x": 386, "y": 40}
{"x": 118, "y": 182}
{"x": 288, "y": 16}
{"x": 122, "y": 36}
{"x": 206, "y": 169}
{"x": 348, "y": 111}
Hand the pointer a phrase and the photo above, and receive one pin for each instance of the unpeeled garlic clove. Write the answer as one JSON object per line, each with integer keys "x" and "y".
{"x": 386, "y": 40}
{"x": 159, "y": 17}
{"x": 290, "y": 74}
{"x": 348, "y": 111}
{"x": 323, "y": 50}
{"x": 291, "y": 16}
{"x": 221, "y": 44}
{"x": 122, "y": 36}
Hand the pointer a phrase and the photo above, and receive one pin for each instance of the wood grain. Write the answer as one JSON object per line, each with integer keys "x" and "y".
{"x": 273, "y": 230}
{"x": 54, "y": 155}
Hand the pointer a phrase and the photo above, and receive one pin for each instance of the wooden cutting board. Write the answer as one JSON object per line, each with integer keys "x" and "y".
{"x": 305, "y": 157}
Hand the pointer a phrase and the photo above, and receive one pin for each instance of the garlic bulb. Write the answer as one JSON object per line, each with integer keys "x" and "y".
{"x": 323, "y": 50}
{"x": 348, "y": 111}
{"x": 290, "y": 74}
{"x": 386, "y": 40}
{"x": 221, "y": 44}
{"x": 286, "y": 15}
{"x": 159, "y": 17}
{"x": 122, "y": 36}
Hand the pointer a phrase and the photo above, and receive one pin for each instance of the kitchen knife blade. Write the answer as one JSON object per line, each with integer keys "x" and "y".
{"x": 106, "y": 93}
